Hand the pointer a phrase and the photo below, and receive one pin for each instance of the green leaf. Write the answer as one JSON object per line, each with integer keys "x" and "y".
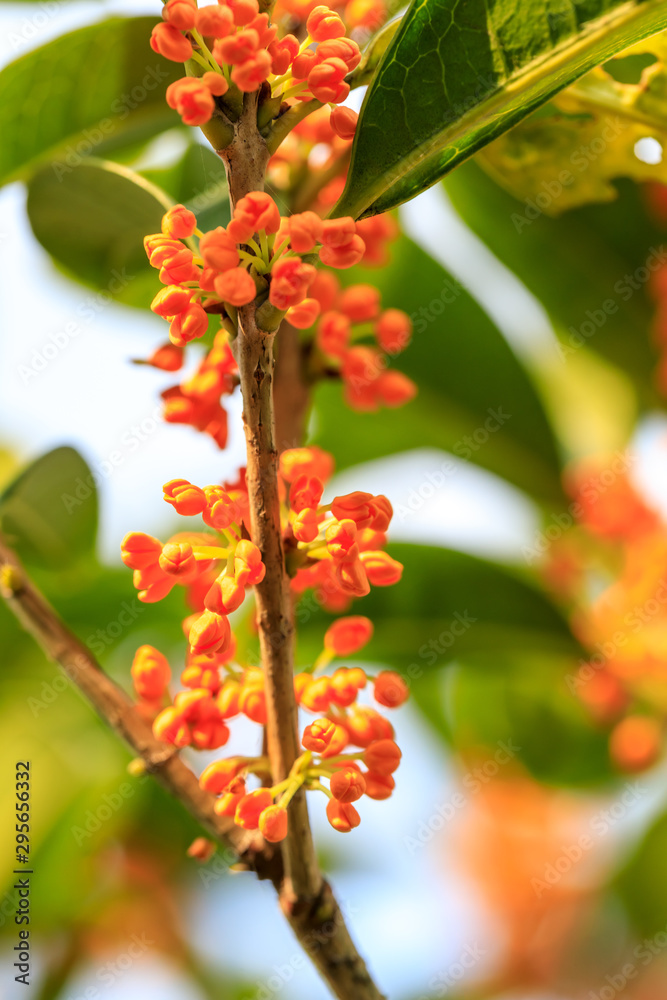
{"x": 642, "y": 883}
{"x": 372, "y": 55}
{"x": 90, "y": 90}
{"x": 458, "y": 75}
{"x": 465, "y": 370}
{"x": 93, "y": 222}
{"x": 49, "y": 512}
{"x": 574, "y": 265}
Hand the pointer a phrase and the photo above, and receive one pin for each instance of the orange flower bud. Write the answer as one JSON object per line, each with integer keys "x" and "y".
{"x": 244, "y": 11}
{"x": 235, "y": 287}
{"x": 237, "y": 48}
{"x": 347, "y": 785}
{"x": 304, "y": 230}
{"x": 290, "y": 279}
{"x": 338, "y": 232}
{"x": 251, "y": 807}
{"x": 333, "y": 334}
{"x": 178, "y": 560}
{"x": 252, "y": 702}
{"x": 360, "y": 303}
{"x": 185, "y": 498}
{"x": 342, "y": 816}
{"x": 340, "y": 48}
{"x": 351, "y": 576}
{"x": 304, "y": 314}
{"x": 168, "y": 41}
{"x": 192, "y": 98}
{"x": 390, "y": 689}
{"x": 189, "y": 325}
{"x": 348, "y": 635}
{"x": 282, "y": 52}
{"x": 202, "y": 849}
{"x": 140, "y": 551}
{"x": 215, "y": 21}
{"x": 344, "y": 122}
{"x": 318, "y": 735}
{"x": 339, "y": 741}
{"x": 381, "y": 569}
{"x": 343, "y": 256}
{"x": 303, "y": 64}
{"x": 325, "y": 288}
{"x": 224, "y": 595}
{"x": 180, "y": 13}
{"x": 171, "y": 301}
{"x": 150, "y": 673}
{"x": 365, "y": 726}
{"x": 394, "y": 389}
{"x": 217, "y": 777}
{"x": 168, "y": 358}
{"x": 323, "y": 23}
{"x": 317, "y": 696}
{"x": 341, "y": 537}
{"x": 295, "y": 462}
{"x": 306, "y": 491}
{"x": 170, "y": 727}
{"x": 273, "y": 823}
{"x": 306, "y": 525}
{"x": 229, "y": 801}
{"x": 228, "y": 699}
{"x": 343, "y": 687}
{"x": 256, "y": 212}
{"x": 250, "y": 74}
{"x": 220, "y": 510}
{"x": 209, "y": 633}
{"x": 201, "y": 672}
{"x": 393, "y": 331}
{"x": 635, "y": 743}
{"x": 248, "y": 566}
{"x": 218, "y": 250}
{"x": 379, "y": 786}
{"x": 382, "y": 756}
{"x": 179, "y": 222}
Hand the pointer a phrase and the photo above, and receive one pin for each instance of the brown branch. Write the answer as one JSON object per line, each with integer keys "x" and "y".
{"x": 305, "y": 898}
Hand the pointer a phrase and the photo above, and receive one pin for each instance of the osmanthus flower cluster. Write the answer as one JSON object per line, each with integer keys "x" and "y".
{"x": 262, "y": 255}
{"x": 624, "y": 540}
{"x": 335, "y": 547}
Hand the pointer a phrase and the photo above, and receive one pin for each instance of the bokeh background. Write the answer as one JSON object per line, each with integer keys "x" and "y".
{"x": 473, "y": 880}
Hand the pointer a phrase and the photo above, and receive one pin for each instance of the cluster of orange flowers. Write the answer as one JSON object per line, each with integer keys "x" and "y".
{"x": 237, "y": 45}
{"x": 336, "y": 548}
{"x": 219, "y": 276}
{"x": 621, "y": 543}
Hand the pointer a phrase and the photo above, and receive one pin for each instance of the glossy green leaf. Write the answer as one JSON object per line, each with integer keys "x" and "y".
{"x": 466, "y": 372}
{"x": 49, "y": 512}
{"x": 90, "y": 90}
{"x": 93, "y": 222}
{"x": 458, "y": 75}
{"x": 587, "y": 267}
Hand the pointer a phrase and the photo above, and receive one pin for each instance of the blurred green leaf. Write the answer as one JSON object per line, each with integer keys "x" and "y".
{"x": 93, "y": 222}
{"x": 49, "y": 512}
{"x": 457, "y": 76}
{"x": 466, "y": 372}
{"x": 92, "y": 89}
{"x": 197, "y": 179}
{"x": 642, "y": 883}
{"x": 574, "y": 265}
